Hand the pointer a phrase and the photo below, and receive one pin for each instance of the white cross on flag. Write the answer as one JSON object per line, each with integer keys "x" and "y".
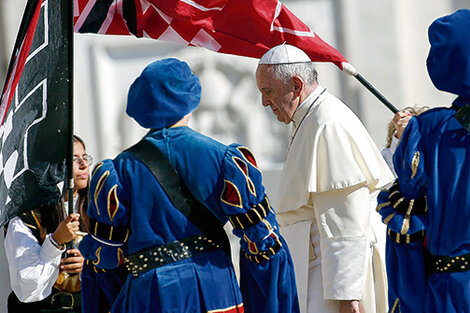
{"x": 241, "y": 27}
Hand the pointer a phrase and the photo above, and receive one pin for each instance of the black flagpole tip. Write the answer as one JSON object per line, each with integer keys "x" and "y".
{"x": 376, "y": 93}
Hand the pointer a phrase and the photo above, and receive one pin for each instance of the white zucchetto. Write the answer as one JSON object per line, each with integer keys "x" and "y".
{"x": 284, "y": 54}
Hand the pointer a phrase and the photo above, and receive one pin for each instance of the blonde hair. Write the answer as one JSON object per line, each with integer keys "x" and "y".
{"x": 391, "y": 126}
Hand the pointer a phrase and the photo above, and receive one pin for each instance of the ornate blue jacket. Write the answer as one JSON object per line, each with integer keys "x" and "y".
{"x": 227, "y": 181}
{"x": 433, "y": 160}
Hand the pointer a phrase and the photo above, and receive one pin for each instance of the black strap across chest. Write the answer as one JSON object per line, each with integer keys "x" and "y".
{"x": 179, "y": 194}
{"x": 462, "y": 115}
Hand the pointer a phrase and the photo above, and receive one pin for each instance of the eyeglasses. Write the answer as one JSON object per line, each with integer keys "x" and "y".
{"x": 85, "y": 160}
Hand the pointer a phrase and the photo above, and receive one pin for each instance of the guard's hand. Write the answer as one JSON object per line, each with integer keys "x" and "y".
{"x": 65, "y": 232}
{"x": 400, "y": 120}
{"x": 349, "y": 306}
{"x": 73, "y": 263}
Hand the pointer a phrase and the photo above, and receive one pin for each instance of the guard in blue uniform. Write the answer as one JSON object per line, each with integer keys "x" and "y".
{"x": 175, "y": 263}
{"x": 433, "y": 160}
{"x": 406, "y": 222}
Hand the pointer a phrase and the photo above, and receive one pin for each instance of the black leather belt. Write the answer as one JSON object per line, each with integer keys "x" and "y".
{"x": 56, "y": 302}
{"x": 449, "y": 264}
{"x": 165, "y": 254}
{"x": 66, "y": 300}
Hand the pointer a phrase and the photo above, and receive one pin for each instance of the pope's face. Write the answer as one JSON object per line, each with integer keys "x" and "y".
{"x": 276, "y": 94}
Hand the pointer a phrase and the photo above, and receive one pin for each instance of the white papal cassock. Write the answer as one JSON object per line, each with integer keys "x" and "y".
{"x": 326, "y": 196}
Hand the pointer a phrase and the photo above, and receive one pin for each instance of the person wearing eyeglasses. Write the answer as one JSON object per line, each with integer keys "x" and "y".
{"x": 43, "y": 277}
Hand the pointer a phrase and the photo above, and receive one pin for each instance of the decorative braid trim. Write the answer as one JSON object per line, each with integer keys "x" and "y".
{"x": 254, "y": 216}
{"x": 405, "y": 206}
{"x": 264, "y": 255}
{"x": 109, "y": 232}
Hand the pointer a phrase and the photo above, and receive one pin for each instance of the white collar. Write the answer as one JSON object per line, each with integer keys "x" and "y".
{"x": 303, "y": 108}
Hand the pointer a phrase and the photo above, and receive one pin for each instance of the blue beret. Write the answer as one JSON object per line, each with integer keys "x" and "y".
{"x": 449, "y": 57}
{"x": 164, "y": 93}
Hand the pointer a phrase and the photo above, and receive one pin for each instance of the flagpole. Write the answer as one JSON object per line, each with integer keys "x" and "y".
{"x": 348, "y": 68}
{"x": 376, "y": 93}
{"x": 69, "y": 159}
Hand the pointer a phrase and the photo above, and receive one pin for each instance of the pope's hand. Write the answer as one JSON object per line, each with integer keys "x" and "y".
{"x": 349, "y": 306}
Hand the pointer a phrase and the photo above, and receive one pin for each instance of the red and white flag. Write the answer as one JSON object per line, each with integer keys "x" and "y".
{"x": 241, "y": 27}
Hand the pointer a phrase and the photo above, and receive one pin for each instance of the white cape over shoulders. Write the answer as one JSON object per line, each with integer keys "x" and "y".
{"x": 328, "y": 154}
{"x": 331, "y": 152}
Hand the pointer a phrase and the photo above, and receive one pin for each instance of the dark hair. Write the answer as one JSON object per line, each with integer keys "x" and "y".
{"x": 80, "y": 140}
{"x": 83, "y": 201}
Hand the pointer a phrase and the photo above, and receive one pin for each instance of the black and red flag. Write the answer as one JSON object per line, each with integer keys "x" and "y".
{"x": 34, "y": 110}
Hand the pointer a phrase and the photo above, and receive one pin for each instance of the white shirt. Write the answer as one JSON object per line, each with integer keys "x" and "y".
{"x": 387, "y": 153}
{"x": 330, "y": 150}
{"x": 33, "y": 268}
{"x": 330, "y": 177}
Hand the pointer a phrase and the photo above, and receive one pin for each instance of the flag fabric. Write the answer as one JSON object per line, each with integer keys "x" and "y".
{"x": 34, "y": 111}
{"x": 241, "y": 27}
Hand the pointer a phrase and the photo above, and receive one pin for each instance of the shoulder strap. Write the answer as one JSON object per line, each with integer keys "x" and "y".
{"x": 463, "y": 116}
{"x": 179, "y": 194}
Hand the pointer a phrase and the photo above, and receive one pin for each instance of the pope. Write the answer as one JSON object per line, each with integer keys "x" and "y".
{"x": 327, "y": 190}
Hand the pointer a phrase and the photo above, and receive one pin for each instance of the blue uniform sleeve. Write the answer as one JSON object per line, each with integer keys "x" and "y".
{"x": 409, "y": 162}
{"x": 406, "y": 222}
{"x": 267, "y": 275}
{"x": 106, "y": 244}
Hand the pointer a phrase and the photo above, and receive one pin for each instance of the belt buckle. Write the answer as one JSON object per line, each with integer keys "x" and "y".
{"x": 72, "y": 301}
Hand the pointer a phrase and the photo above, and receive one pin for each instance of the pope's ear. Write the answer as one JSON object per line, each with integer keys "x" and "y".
{"x": 298, "y": 84}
